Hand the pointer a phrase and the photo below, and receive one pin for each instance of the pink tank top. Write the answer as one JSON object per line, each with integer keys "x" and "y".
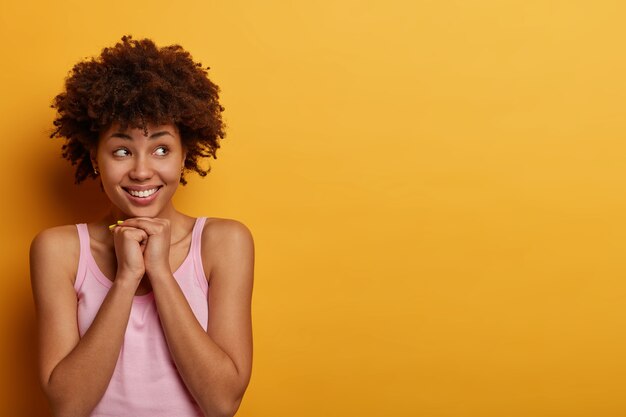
{"x": 145, "y": 382}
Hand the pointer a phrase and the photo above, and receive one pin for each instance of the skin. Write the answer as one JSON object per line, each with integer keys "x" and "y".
{"x": 138, "y": 257}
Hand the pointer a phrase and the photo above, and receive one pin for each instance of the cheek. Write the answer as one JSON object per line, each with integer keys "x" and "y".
{"x": 110, "y": 174}
{"x": 172, "y": 172}
{"x": 110, "y": 178}
{"x": 108, "y": 182}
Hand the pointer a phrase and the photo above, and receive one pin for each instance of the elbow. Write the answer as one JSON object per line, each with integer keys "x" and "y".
{"x": 65, "y": 405}
{"x": 232, "y": 408}
{"x": 71, "y": 414}
{"x": 226, "y": 402}
{"x": 67, "y": 409}
{"x": 224, "y": 409}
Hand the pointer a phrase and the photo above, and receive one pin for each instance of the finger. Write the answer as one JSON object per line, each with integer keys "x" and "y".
{"x": 151, "y": 226}
{"x": 131, "y": 233}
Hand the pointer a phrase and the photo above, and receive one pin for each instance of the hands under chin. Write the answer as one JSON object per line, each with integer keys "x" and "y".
{"x": 156, "y": 244}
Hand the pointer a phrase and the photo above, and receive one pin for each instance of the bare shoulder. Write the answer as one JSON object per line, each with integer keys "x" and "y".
{"x": 58, "y": 248}
{"x": 217, "y": 230}
{"x": 224, "y": 242}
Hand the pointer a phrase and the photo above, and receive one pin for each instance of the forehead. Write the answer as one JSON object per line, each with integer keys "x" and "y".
{"x": 151, "y": 131}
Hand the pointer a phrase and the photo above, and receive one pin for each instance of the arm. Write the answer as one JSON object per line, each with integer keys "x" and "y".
{"x": 74, "y": 372}
{"x": 215, "y": 365}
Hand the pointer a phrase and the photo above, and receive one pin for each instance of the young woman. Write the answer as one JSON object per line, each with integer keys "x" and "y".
{"x": 147, "y": 311}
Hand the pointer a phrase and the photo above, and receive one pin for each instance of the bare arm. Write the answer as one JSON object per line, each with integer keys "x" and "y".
{"x": 74, "y": 372}
{"x": 215, "y": 365}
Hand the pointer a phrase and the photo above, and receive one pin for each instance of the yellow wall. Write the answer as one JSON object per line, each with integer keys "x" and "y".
{"x": 436, "y": 190}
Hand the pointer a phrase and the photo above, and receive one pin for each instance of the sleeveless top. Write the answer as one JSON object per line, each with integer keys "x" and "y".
{"x": 145, "y": 382}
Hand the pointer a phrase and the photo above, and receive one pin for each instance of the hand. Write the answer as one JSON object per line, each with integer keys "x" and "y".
{"x": 129, "y": 244}
{"x": 156, "y": 255}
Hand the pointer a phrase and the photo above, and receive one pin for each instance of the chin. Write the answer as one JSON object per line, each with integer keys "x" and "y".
{"x": 129, "y": 212}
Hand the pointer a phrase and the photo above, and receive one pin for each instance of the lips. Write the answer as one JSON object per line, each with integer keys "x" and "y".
{"x": 142, "y": 195}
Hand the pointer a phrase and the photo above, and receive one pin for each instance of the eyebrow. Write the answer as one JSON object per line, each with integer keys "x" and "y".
{"x": 155, "y": 135}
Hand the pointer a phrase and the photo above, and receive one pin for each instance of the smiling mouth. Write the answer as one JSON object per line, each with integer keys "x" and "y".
{"x": 143, "y": 193}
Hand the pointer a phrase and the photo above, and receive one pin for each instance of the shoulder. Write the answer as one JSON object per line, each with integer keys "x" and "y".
{"x": 58, "y": 246}
{"x": 56, "y": 239}
{"x": 222, "y": 230}
{"x": 226, "y": 241}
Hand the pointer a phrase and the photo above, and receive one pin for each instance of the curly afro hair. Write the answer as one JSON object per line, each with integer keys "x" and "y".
{"x": 135, "y": 83}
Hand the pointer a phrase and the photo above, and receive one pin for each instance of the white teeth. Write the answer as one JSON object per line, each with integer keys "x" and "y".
{"x": 142, "y": 194}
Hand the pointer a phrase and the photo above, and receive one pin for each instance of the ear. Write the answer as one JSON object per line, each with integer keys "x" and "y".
{"x": 93, "y": 156}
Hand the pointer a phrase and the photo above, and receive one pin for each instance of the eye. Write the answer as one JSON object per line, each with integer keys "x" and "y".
{"x": 161, "y": 151}
{"x": 121, "y": 152}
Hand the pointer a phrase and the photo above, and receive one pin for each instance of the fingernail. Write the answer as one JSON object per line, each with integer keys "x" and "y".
{"x": 112, "y": 226}
{"x": 120, "y": 221}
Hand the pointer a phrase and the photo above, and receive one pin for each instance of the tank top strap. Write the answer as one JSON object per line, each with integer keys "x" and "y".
{"x": 83, "y": 259}
{"x": 196, "y": 253}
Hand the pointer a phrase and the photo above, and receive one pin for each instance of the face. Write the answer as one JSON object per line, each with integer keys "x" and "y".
{"x": 139, "y": 173}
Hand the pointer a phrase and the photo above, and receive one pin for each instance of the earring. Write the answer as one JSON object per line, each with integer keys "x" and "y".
{"x": 95, "y": 170}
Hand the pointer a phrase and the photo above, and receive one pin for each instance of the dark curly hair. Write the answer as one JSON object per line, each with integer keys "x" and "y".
{"x": 135, "y": 83}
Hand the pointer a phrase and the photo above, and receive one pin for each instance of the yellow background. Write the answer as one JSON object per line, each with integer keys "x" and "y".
{"x": 435, "y": 188}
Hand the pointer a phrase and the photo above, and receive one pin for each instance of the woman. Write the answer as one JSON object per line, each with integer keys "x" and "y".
{"x": 147, "y": 311}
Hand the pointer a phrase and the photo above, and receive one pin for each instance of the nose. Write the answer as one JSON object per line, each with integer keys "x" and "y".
{"x": 141, "y": 169}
